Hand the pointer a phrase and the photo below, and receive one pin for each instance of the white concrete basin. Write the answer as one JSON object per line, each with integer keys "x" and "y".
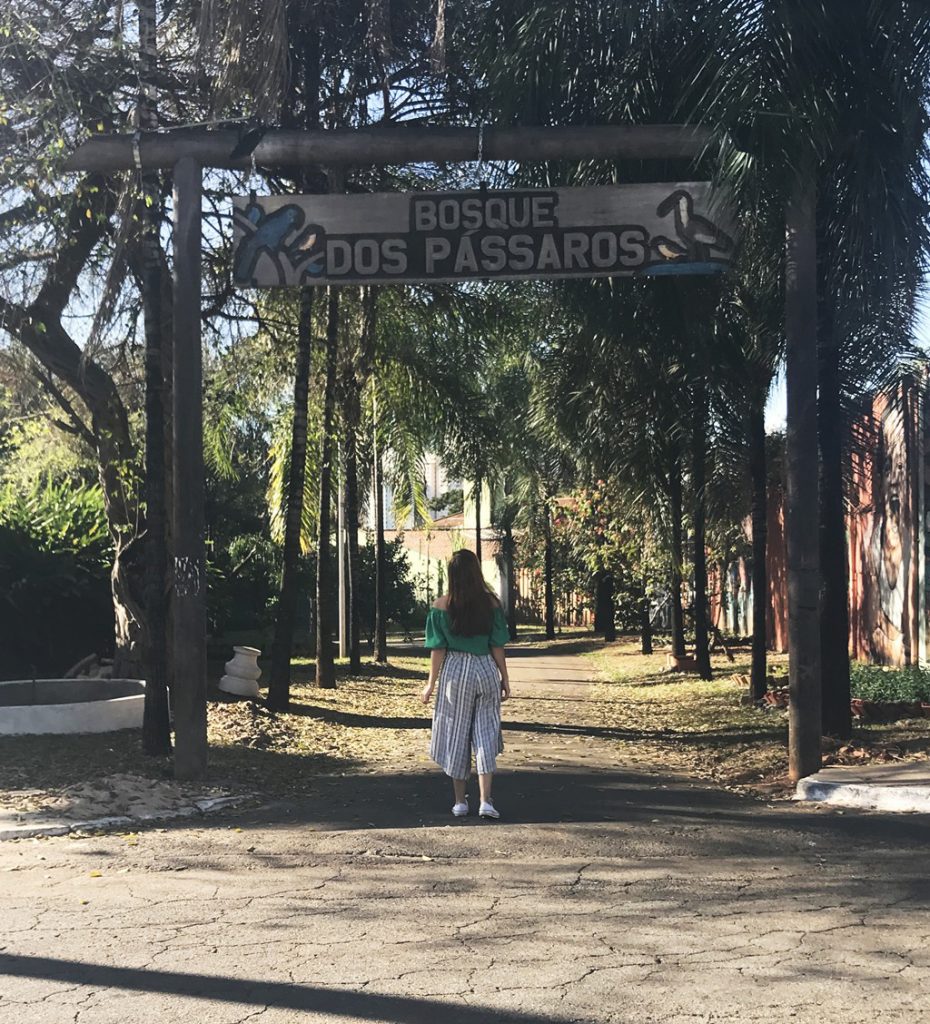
{"x": 30, "y": 707}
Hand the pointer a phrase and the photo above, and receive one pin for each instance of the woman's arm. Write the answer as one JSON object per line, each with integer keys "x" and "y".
{"x": 436, "y": 658}
{"x": 500, "y": 659}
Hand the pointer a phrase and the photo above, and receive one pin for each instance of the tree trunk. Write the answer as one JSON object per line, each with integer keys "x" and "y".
{"x": 352, "y": 528}
{"x": 156, "y": 733}
{"x": 510, "y": 569}
{"x": 610, "y": 621}
{"x": 645, "y": 623}
{"x": 380, "y": 560}
{"x": 834, "y": 612}
{"x": 283, "y": 642}
{"x": 547, "y": 572}
{"x": 156, "y": 728}
{"x": 599, "y": 610}
{"x": 699, "y": 481}
{"x": 477, "y": 496}
{"x": 677, "y": 553}
{"x": 758, "y": 471}
{"x": 325, "y": 667}
{"x": 802, "y": 505}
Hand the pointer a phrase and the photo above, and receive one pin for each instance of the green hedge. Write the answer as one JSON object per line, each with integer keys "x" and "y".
{"x": 55, "y": 603}
{"x": 875, "y": 683}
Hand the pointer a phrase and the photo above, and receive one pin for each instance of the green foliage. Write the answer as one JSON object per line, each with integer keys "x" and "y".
{"x": 243, "y": 584}
{"x": 400, "y": 601}
{"x": 608, "y": 529}
{"x": 55, "y": 603}
{"x": 449, "y": 503}
{"x": 877, "y": 683}
{"x": 59, "y": 519}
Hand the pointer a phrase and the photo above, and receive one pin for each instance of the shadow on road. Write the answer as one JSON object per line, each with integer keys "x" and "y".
{"x": 307, "y": 998}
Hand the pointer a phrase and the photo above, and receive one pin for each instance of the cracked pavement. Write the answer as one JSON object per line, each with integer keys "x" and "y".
{"x": 606, "y": 894}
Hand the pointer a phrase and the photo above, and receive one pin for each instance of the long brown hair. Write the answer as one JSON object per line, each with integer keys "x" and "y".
{"x": 471, "y": 601}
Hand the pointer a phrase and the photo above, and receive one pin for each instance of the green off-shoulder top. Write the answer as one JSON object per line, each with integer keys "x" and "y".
{"x": 439, "y": 634}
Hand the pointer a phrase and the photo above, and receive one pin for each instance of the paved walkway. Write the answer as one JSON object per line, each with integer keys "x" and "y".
{"x": 607, "y": 895}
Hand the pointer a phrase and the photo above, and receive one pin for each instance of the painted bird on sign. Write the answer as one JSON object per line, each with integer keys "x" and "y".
{"x": 270, "y": 235}
{"x": 698, "y": 236}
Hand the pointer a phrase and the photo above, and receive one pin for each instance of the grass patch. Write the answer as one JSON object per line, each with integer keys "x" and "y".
{"x": 703, "y": 728}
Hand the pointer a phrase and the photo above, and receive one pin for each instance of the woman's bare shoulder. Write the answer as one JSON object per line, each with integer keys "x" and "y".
{"x": 442, "y": 602}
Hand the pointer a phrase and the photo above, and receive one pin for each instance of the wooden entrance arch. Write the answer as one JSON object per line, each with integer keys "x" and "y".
{"x": 188, "y": 151}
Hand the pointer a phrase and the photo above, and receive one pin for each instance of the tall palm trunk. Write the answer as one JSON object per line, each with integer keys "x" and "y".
{"x": 477, "y": 496}
{"x": 548, "y": 568}
{"x": 307, "y": 75}
{"x": 156, "y": 729}
{"x": 509, "y": 546}
{"x": 834, "y": 615}
{"x": 381, "y": 655}
{"x": 325, "y": 667}
{"x": 605, "y": 610}
{"x": 645, "y": 622}
{"x": 758, "y": 472}
{"x": 352, "y": 528}
{"x": 282, "y": 644}
{"x": 699, "y": 480}
{"x": 802, "y": 504}
{"x": 678, "y": 558}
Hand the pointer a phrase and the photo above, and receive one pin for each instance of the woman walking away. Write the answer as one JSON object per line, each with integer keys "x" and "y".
{"x": 466, "y": 632}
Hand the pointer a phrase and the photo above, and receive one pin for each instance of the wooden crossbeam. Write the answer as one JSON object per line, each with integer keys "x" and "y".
{"x": 398, "y": 144}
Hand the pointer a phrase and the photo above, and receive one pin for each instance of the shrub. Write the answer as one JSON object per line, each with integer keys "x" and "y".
{"x": 55, "y": 600}
{"x": 878, "y": 683}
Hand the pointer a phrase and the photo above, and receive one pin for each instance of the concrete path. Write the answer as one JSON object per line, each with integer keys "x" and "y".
{"x": 606, "y": 895}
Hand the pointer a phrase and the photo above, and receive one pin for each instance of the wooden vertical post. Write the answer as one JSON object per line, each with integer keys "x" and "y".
{"x": 189, "y": 650}
{"x": 343, "y": 622}
{"x": 802, "y": 506}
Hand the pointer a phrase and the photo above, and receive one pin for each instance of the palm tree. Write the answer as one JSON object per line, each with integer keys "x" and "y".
{"x": 155, "y": 287}
{"x": 830, "y": 76}
{"x": 325, "y": 669}
{"x": 282, "y": 644}
{"x": 750, "y": 332}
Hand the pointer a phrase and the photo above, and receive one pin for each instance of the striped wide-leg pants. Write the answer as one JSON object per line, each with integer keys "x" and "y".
{"x": 467, "y": 715}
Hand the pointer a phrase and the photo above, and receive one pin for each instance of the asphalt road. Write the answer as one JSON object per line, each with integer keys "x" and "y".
{"x": 604, "y": 895}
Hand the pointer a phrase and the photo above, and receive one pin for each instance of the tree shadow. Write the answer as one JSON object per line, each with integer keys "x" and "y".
{"x": 305, "y": 998}
{"x": 674, "y": 816}
{"x": 723, "y": 735}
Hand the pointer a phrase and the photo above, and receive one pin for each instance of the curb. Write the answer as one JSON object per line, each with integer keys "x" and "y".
{"x": 198, "y": 807}
{"x": 865, "y": 796}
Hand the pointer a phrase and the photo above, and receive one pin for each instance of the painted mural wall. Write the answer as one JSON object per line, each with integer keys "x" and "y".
{"x": 883, "y": 531}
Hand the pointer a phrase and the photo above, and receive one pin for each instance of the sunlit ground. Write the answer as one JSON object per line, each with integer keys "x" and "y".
{"x": 374, "y": 722}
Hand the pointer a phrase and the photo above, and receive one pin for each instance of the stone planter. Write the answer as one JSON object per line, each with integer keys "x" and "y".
{"x": 242, "y": 673}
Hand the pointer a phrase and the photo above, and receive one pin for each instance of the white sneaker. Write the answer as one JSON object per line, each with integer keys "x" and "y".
{"x": 487, "y": 810}
{"x": 460, "y": 810}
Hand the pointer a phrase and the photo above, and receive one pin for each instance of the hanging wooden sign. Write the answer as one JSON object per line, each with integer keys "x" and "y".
{"x": 407, "y": 237}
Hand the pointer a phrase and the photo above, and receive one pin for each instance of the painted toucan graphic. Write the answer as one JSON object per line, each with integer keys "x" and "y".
{"x": 698, "y": 237}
